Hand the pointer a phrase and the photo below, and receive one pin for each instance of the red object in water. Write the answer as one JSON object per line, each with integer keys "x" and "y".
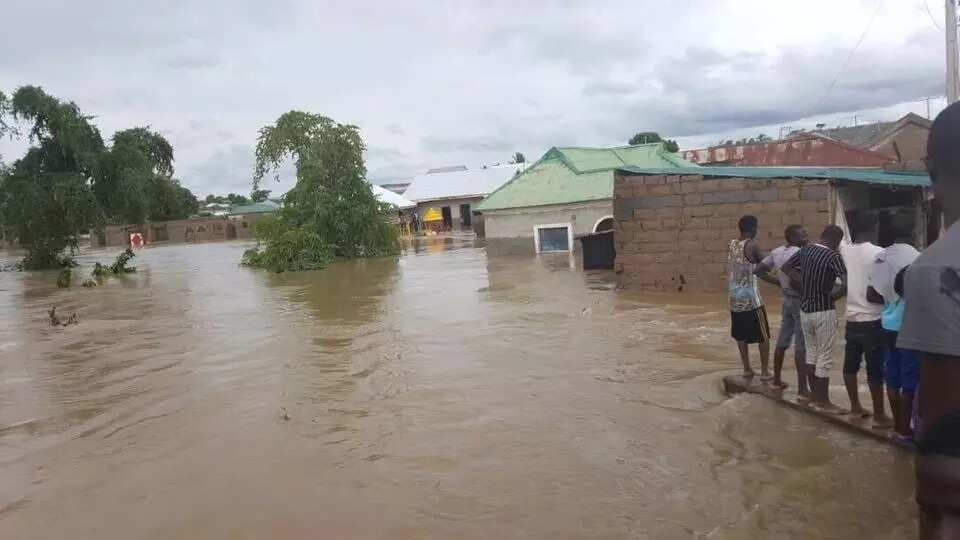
{"x": 136, "y": 240}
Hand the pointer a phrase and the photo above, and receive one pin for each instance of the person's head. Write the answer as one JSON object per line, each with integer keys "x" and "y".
{"x": 748, "y": 226}
{"x": 943, "y": 161}
{"x": 864, "y": 227}
{"x": 831, "y": 237}
{"x": 901, "y": 227}
{"x": 796, "y": 235}
{"x": 938, "y": 477}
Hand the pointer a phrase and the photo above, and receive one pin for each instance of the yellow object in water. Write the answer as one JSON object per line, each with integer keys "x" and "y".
{"x": 432, "y": 215}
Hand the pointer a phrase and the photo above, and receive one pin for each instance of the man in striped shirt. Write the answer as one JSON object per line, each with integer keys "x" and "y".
{"x": 816, "y": 268}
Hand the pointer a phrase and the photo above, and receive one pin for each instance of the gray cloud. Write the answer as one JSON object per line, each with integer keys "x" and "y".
{"x": 467, "y": 82}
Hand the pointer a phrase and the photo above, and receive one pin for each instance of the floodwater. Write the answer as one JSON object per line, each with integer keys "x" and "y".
{"x": 441, "y": 394}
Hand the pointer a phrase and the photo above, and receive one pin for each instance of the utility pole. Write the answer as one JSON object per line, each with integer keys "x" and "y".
{"x": 953, "y": 82}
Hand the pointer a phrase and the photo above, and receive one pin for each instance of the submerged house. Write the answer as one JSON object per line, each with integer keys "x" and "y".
{"x": 245, "y": 216}
{"x": 673, "y": 226}
{"x": 567, "y": 193}
{"x": 455, "y": 191}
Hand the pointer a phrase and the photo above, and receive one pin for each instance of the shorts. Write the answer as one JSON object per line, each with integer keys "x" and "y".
{"x": 902, "y": 367}
{"x": 790, "y": 329}
{"x": 750, "y": 326}
{"x": 820, "y": 336}
{"x": 864, "y": 342}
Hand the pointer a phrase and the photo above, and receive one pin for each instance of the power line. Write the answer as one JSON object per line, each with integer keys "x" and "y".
{"x": 853, "y": 51}
{"x": 930, "y": 13}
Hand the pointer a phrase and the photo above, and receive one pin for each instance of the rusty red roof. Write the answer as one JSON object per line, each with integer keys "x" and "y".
{"x": 804, "y": 150}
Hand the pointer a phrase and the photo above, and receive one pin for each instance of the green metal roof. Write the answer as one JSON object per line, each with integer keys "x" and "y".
{"x": 870, "y": 176}
{"x": 576, "y": 174}
{"x": 255, "y": 208}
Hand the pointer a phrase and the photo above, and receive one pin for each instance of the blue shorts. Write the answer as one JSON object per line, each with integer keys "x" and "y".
{"x": 901, "y": 369}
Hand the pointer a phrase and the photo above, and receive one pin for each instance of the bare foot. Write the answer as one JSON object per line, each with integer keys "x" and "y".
{"x": 882, "y": 422}
{"x": 748, "y": 374}
{"x": 778, "y": 385}
{"x": 830, "y": 408}
{"x": 860, "y": 412}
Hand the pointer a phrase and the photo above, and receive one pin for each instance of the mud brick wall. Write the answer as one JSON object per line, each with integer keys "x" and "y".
{"x": 672, "y": 233}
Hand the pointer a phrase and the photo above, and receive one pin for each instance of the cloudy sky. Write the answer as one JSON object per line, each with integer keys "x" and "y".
{"x": 439, "y": 83}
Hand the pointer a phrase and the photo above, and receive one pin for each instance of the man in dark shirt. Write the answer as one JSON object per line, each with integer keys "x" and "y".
{"x": 816, "y": 268}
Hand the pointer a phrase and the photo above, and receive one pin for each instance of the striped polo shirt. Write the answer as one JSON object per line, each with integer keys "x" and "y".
{"x": 819, "y": 268}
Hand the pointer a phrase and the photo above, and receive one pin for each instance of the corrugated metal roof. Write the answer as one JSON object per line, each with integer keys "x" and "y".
{"x": 870, "y": 176}
{"x": 264, "y": 207}
{"x": 389, "y": 197}
{"x": 459, "y": 184}
{"x": 576, "y": 174}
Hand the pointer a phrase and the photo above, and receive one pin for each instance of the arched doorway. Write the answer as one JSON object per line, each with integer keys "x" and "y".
{"x": 604, "y": 224}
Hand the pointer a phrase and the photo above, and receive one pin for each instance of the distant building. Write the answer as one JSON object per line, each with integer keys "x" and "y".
{"x": 455, "y": 192}
{"x": 902, "y": 140}
{"x": 673, "y": 228}
{"x": 871, "y": 145}
{"x": 215, "y": 209}
{"x": 566, "y": 193}
{"x": 800, "y": 150}
{"x": 245, "y": 216}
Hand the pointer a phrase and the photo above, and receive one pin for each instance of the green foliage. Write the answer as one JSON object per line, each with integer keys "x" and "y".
{"x": 260, "y": 195}
{"x": 69, "y": 181}
{"x": 99, "y": 271}
{"x": 648, "y": 137}
{"x": 289, "y": 250}
{"x": 46, "y": 197}
{"x": 119, "y": 266}
{"x": 331, "y": 211}
{"x": 231, "y": 199}
{"x": 518, "y": 158}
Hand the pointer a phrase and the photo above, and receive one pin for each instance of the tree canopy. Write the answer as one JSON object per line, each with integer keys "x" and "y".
{"x": 260, "y": 195}
{"x": 69, "y": 181}
{"x": 331, "y": 211}
{"x": 648, "y": 137}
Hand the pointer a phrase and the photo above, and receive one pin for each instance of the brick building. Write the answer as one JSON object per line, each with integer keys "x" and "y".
{"x": 673, "y": 227}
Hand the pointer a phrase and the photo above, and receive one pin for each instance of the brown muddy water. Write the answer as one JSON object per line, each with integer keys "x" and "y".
{"x": 441, "y": 394}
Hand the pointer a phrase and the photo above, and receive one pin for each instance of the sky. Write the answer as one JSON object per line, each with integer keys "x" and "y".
{"x": 433, "y": 83}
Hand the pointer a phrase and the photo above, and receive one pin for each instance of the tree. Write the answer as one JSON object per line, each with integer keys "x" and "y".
{"x": 331, "y": 211}
{"x": 649, "y": 137}
{"x": 46, "y": 197}
{"x": 69, "y": 181}
{"x": 236, "y": 199}
{"x": 518, "y": 158}
{"x": 260, "y": 195}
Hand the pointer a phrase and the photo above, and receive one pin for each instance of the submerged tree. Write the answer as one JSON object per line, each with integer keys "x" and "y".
{"x": 331, "y": 211}
{"x": 70, "y": 181}
{"x": 46, "y": 197}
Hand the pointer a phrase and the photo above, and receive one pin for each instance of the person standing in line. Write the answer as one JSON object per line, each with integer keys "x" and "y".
{"x": 864, "y": 333}
{"x": 796, "y": 237}
{"x": 931, "y": 326}
{"x": 748, "y": 317}
{"x": 901, "y": 367}
{"x": 816, "y": 269}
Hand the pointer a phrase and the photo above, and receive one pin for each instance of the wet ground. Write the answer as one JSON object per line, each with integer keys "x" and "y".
{"x": 441, "y": 394}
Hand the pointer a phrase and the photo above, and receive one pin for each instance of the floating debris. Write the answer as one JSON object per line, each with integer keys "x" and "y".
{"x": 283, "y": 413}
{"x": 63, "y": 280}
{"x": 89, "y": 283}
{"x": 57, "y": 321}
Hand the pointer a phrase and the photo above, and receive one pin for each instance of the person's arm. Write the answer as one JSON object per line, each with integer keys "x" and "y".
{"x": 840, "y": 290}
{"x": 874, "y": 297}
{"x": 753, "y": 253}
{"x": 792, "y": 269}
{"x": 763, "y": 270}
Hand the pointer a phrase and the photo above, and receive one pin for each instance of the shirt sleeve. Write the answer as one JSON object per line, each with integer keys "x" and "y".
{"x": 836, "y": 264}
{"x": 931, "y": 320}
{"x": 793, "y": 263}
{"x": 768, "y": 260}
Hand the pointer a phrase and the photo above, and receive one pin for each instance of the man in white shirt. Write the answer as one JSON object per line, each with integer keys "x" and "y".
{"x": 864, "y": 333}
{"x": 901, "y": 367}
{"x": 790, "y": 329}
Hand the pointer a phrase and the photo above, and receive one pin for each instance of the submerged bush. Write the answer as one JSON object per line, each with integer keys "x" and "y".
{"x": 331, "y": 211}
